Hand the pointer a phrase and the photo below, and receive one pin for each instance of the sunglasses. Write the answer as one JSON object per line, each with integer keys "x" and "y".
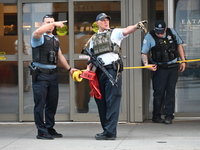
{"x": 47, "y": 16}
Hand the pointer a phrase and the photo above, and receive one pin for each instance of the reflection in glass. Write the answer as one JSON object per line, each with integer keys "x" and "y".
{"x": 32, "y": 19}
{"x": 84, "y": 102}
{"x": 10, "y": 20}
{"x": 8, "y": 87}
{"x": 27, "y": 86}
{"x": 8, "y": 28}
{"x": 27, "y": 49}
{"x": 84, "y": 16}
{"x": 63, "y": 80}
{"x": 187, "y": 24}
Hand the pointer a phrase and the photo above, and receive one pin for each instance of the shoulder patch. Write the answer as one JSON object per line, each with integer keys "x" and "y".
{"x": 144, "y": 41}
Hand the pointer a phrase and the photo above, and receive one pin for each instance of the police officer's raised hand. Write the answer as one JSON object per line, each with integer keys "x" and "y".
{"x": 140, "y": 25}
{"x": 47, "y": 27}
{"x": 59, "y": 24}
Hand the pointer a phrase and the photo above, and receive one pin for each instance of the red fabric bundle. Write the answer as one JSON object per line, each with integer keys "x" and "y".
{"x": 94, "y": 84}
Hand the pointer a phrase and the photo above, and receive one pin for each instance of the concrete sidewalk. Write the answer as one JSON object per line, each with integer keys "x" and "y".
{"x": 181, "y": 135}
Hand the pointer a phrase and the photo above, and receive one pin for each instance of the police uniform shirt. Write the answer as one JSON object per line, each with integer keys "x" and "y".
{"x": 116, "y": 37}
{"x": 149, "y": 42}
{"x": 38, "y": 42}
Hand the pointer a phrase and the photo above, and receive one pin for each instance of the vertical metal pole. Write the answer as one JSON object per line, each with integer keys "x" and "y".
{"x": 71, "y": 53}
{"x": 169, "y": 12}
{"x": 134, "y": 48}
{"x": 20, "y": 61}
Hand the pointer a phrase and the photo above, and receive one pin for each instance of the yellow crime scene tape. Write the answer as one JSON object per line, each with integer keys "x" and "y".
{"x": 76, "y": 74}
{"x": 137, "y": 67}
{"x": 181, "y": 61}
{"x": 189, "y": 60}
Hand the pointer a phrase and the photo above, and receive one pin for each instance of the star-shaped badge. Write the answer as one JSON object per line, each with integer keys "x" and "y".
{"x": 169, "y": 37}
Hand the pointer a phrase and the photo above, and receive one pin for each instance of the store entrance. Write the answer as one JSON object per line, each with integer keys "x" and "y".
{"x": 30, "y": 20}
{"x": 18, "y": 21}
{"x": 8, "y": 63}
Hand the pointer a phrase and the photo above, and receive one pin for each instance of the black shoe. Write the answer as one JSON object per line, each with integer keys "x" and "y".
{"x": 45, "y": 137}
{"x": 55, "y": 134}
{"x": 98, "y": 134}
{"x": 168, "y": 121}
{"x": 159, "y": 120}
{"x": 101, "y": 136}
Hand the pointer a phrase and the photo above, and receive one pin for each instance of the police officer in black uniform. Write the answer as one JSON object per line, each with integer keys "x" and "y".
{"x": 46, "y": 53}
{"x": 165, "y": 47}
{"x": 106, "y": 47}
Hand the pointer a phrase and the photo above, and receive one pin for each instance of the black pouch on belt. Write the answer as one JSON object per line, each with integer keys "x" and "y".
{"x": 114, "y": 65}
{"x": 118, "y": 65}
{"x": 164, "y": 65}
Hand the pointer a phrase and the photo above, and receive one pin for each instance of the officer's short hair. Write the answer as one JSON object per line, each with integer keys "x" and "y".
{"x": 47, "y": 16}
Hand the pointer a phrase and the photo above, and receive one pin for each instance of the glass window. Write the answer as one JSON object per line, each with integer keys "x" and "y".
{"x": 187, "y": 24}
{"x": 85, "y": 15}
{"x": 84, "y": 27}
{"x": 8, "y": 68}
{"x": 8, "y": 29}
{"x": 159, "y": 15}
{"x": 8, "y": 87}
{"x": 83, "y": 98}
{"x": 32, "y": 19}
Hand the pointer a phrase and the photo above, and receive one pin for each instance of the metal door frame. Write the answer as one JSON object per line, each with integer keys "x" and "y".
{"x": 21, "y": 58}
{"x": 132, "y": 104}
{"x": 73, "y": 57}
{"x": 9, "y": 117}
{"x": 170, "y": 17}
{"x": 94, "y": 116}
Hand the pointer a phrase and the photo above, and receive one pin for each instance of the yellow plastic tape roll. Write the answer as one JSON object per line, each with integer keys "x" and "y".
{"x": 76, "y": 76}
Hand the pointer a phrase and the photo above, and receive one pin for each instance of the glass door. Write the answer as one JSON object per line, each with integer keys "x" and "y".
{"x": 30, "y": 18}
{"x": 75, "y": 103}
{"x": 187, "y": 24}
{"x": 84, "y": 15}
{"x": 8, "y": 62}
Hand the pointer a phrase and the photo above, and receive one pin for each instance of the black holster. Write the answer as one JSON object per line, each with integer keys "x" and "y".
{"x": 118, "y": 65}
{"x": 34, "y": 71}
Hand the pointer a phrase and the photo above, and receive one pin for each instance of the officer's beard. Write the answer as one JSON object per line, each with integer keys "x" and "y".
{"x": 49, "y": 32}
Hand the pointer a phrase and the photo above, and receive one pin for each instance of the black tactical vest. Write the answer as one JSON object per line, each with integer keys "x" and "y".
{"x": 165, "y": 49}
{"x": 103, "y": 44}
{"x": 47, "y": 53}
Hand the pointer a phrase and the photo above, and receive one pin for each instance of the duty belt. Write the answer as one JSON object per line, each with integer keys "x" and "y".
{"x": 166, "y": 66}
{"x": 116, "y": 65}
{"x": 48, "y": 71}
{"x": 108, "y": 67}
